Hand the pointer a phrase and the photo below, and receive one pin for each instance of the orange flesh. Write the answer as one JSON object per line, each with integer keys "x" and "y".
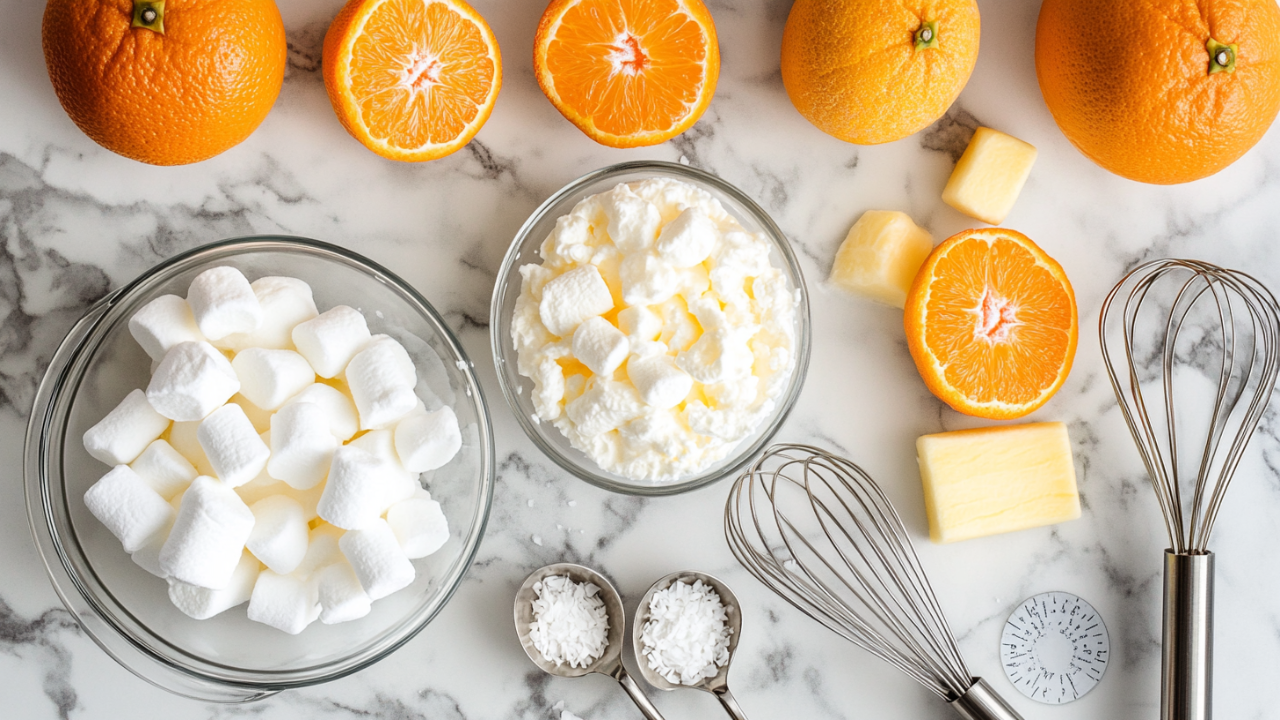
{"x": 420, "y": 73}
{"x": 629, "y": 67}
{"x": 1001, "y": 321}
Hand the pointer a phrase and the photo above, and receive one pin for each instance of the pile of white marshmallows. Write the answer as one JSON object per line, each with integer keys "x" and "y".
{"x": 271, "y": 435}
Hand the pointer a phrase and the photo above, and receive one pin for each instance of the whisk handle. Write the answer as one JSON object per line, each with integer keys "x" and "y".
{"x": 1186, "y": 672}
{"x": 980, "y": 702}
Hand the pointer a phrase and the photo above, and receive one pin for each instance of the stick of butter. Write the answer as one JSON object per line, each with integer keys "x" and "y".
{"x": 997, "y": 480}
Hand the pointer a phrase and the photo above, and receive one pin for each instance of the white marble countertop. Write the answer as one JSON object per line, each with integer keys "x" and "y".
{"x": 76, "y": 221}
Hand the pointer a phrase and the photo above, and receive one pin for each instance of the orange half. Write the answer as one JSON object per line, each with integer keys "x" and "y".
{"x": 628, "y": 72}
{"x": 991, "y": 323}
{"x": 411, "y": 79}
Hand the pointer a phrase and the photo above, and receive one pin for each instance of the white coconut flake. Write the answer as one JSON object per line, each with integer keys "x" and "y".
{"x": 570, "y": 624}
{"x": 686, "y": 637}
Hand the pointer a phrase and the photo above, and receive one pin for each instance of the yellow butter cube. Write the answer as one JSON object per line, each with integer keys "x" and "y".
{"x": 880, "y": 256}
{"x": 997, "y": 480}
{"x": 989, "y": 176}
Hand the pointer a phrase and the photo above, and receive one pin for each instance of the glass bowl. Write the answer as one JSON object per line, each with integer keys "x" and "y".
{"x": 518, "y": 389}
{"x": 126, "y": 610}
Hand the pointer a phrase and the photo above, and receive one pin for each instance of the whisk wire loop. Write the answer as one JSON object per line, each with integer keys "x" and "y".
{"x": 1225, "y": 324}
{"x": 824, "y": 537}
{"x": 887, "y": 608}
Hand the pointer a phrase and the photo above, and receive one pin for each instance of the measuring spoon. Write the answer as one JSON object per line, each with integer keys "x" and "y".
{"x": 718, "y": 684}
{"x": 610, "y": 661}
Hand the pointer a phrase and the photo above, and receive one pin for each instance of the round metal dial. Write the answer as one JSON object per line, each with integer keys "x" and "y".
{"x": 1054, "y": 648}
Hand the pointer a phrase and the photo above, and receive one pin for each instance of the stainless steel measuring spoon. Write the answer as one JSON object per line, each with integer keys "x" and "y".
{"x": 610, "y": 662}
{"x": 718, "y": 684}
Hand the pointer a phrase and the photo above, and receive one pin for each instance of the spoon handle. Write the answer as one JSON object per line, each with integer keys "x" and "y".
{"x": 730, "y": 705}
{"x": 642, "y": 701}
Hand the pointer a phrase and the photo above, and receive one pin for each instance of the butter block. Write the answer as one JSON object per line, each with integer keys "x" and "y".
{"x": 880, "y": 256}
{"x": 989, "y": 176}
{"x": 997, "y": 480}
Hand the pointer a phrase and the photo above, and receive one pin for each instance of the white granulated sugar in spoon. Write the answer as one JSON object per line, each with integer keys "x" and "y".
{"x": 686, "y": 637}
{"x": 570, "y": 624}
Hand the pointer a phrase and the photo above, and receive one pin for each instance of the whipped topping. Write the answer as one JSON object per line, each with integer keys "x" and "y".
{"x": 657, "y": 332}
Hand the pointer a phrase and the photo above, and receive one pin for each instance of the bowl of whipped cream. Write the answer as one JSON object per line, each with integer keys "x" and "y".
{"x": 650, "y": 327}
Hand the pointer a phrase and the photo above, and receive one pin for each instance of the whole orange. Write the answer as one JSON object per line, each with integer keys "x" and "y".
{"x": 1161, "y": 91}
{"x": 874, "y": 71}
{"x": 166, "y": 82}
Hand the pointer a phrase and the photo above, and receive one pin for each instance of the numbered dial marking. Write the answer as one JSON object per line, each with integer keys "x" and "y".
{"x": 1055, "y": 648}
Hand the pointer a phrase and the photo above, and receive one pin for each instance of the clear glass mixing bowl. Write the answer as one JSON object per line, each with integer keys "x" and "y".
{"x": 126, "y": 610}
{"x": 524, "y": 249}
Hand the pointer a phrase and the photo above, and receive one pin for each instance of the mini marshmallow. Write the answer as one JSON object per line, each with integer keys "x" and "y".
{"x": 339, "y": 409}
{"x": 284, "y": 602}
{"x": 387, "y": 355}
{"x": 260, "y": 487}
{"x": 600, "y": 346}
{"x": 378, "y": 561}
{"x": 270, "y": 377}
{"x": 639, "y": 323}
{"x": 208, "y": 536}
{"x": 689, "y": 239}
{"x": 331, "y": 339}
{"x": 285, "y": 303}
{"x": 183, "y": 436}
{"x": 719, "y": 355}
{"x": 260, "y": 418}
{"x": 147, "y": 557}
{"x": 191, "y": 381}
{"x": 280, "y": 534}
{"x": 633, "y": 221}
{"x": 647, "y": 279}
{"x": 398, "y": 483}
{"x": 121, "y": 436}
{"x": 202, "y": 603}
{"x": 680, "y": 329}
{"x": 419, "y": 525}
{"x": 163, "y": 323}
{"x": 569, "y": 299}
{"x": 381, "y": 379}
{"x": 164, "y": 469}
{"x": 309, "y": 499}
{"x": 264, "y": 486}
{"x": 658, "y": 381}
{"x": 428, "y": 440}
{"x": 128, "y": 507}
{"x": 233, "y": 447}
{"x": 222, "y": 302}
{"x": 340, "y": 594}
{"x": 322, "y": 550}
{"x": 358, "y": 489}
{"x": 603, "y": 407}
{"x": 301, "y": 445}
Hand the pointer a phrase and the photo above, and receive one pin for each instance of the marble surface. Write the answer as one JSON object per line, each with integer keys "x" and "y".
{"x": 76, "y": 221}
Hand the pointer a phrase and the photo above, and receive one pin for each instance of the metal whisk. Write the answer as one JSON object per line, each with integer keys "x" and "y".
{"x": 1184, "y": 325}
{"x": 817, "y": 530}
